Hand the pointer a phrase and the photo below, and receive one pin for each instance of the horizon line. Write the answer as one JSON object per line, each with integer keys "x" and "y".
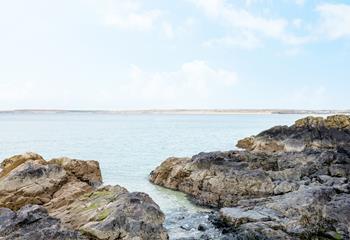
{"x": 177, "y": 110}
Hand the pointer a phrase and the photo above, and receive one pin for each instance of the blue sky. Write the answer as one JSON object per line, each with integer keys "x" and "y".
{"x": 137, "y": 54}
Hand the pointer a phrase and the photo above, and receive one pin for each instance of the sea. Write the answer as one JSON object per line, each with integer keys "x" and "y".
{"x": 129, "y": 146}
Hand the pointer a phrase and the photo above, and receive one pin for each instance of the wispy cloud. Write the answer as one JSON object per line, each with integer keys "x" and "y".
{"x": 240, "y": 18}
{"x": 335, "y": 20}
{"x": 247, "y": 26}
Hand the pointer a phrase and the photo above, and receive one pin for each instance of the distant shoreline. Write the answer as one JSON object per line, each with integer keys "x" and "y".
{"x": 182, "y": 111}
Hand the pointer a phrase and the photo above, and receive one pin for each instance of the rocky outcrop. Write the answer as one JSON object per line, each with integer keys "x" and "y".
{"x": 111, "y": 212}
{"x": 307, "y": 133}
{"x": 216, "y": 179}
{"x": 288, "y": 183}
{"x": 308, "y": 213}
{"x": 85, "y": 171}
{"x": 29, "y": 179}
{"x": 63, "y": 199}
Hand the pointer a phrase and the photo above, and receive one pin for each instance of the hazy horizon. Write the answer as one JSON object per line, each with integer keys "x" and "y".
{"x": 238, "y": 110}
{"x": 186, "y": 54}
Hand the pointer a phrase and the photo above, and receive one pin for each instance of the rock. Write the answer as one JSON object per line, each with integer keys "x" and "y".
{"x": 186, "y": 227}
{"x": 202, "y": 227}
{"x": 288, "y": 183}
{"x": 238, "y": 216}
{"x": 310, "y": 122}
{"x": 305, "y": 213}
{"x": 32, "y": 180}
{"x": 11, "y": 163}
{"x": 301, "y": 210}
{"x": 68, "y": 193}
{"x": 285, "y": 187}
{"x": 214, "y": 179}
{"x": 310, "y": 132}
{"x": 33, "y": 222}
{"x": 261, "y": 231}
{"x": 337, "y": 211}
{"x": 185, "y": 224}
{"x": 331, "y": 181}
{"x": 31, "y": 183}
{"x": 67, "y": 190}
{"x": 86, "y": 171}
{"x": 111, "y": 212}
{"x": 339, "y": 170}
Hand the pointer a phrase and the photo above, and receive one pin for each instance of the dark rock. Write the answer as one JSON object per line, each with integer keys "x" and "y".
{"x": 311, "y": 132}
{"x": 202, "y": 227}
{"x": 33, "y": 222}
{"x": 289, "y": 183}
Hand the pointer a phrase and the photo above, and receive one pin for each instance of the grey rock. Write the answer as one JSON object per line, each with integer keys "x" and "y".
{"x": 288, "y": 183}
{"x": 33, "y": 222}
{"x": 307, "y": 133}
{"x": 238, "y": 216}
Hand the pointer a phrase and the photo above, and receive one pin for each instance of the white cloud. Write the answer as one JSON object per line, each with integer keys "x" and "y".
{"x": 335, "y": 20}
{"x": 241, "y": 18}
{"x": 251, "y": 2}
{"x": 244, "y": 23}
{"x": 195, "y": 84}
{"x": 129, "y": 15}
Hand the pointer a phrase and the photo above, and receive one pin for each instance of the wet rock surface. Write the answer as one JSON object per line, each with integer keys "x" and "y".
{"x": 287, "y": 183}
{"x": 63, "y": 199}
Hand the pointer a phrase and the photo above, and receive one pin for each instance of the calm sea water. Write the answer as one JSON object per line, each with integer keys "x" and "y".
{"x": 128, "y": 147}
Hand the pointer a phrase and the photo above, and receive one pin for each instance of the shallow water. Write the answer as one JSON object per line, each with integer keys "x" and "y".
{"x": 128, "y": 147}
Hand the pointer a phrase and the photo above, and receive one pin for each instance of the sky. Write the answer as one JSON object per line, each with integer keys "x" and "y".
{"x": 146, "y": 54}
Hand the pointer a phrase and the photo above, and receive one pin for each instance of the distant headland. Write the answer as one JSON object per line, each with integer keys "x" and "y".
{"x": 182, "y": 111}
